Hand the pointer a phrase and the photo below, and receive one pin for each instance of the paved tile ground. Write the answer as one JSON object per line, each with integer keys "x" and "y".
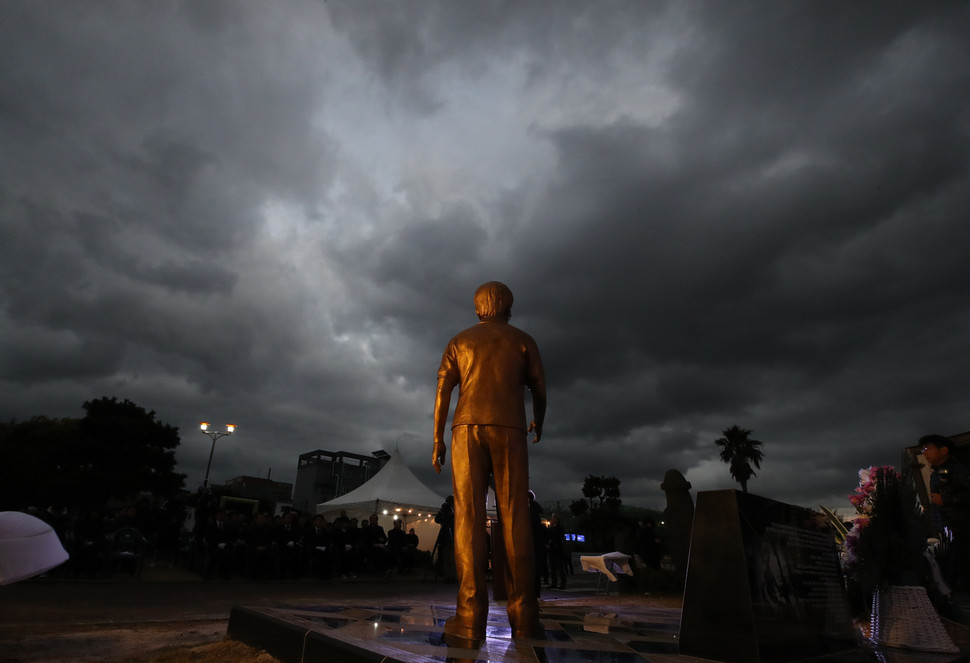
{"x": 118, "y": 617}
{"x": 576, "y": 631}
{"x": 411, "y": 631}
{"x": 57, "y": 619}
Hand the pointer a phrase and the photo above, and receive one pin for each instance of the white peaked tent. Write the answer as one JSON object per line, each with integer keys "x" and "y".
{"x": 393, "y": 493}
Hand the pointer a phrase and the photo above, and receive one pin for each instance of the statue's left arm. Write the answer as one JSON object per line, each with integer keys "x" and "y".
{"x": 447, "y": 379}
{"x": 536, "y": 382}
{"x": 442, "y": 402}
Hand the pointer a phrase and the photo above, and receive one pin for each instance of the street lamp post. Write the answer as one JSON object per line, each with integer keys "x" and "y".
{"x": 215, "y": 435}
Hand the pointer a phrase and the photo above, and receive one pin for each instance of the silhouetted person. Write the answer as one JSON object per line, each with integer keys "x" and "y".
{"x": 261, "y": 548}
{"x": 538, "y": 543}
{"x": 346, "y": 553}
{"x": 950, "y": 495}
{"x": 412, "y": 540}
{"x": 445, "y": 543}
{"x": 397, "y": 544}
{"x": 646, "y": 544}
{"x": 88, "y": 551}
{"x": 555, "y": 546}
{"x": 220, "y": 545}
{"x": 374, "y": 545}
{"x": 289, "y": 543}
{"x": 319, "y": 549}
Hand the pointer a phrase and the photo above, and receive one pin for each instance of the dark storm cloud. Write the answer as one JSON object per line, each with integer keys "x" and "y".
{"x": 709, "y": 214}
{"x": 139, "y": 148}
{"x": 779, "y": 241}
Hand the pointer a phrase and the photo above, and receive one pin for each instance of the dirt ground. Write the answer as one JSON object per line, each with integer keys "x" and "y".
{"x": 118, "y": 624}
{"x": 166, "y": 642}
{"x": 139, "y": 621}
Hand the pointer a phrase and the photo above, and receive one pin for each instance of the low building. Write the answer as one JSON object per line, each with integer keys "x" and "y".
{"x": 273, "y": 495}
{"x": 324, "y": 475}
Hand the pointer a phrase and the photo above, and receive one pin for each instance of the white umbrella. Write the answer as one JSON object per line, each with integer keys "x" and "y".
{"x": 28, "y": 547}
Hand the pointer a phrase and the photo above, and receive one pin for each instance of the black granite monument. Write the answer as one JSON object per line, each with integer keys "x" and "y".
{"x": 763, "y": 582}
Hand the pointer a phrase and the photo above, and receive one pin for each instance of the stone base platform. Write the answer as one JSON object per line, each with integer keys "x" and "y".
{"x": 411, "y": 632}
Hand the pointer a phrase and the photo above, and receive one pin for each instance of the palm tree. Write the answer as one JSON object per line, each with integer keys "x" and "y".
{"x": 740, "y": 452}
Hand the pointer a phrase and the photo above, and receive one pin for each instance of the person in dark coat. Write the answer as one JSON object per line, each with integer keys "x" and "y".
{"x": 950, "y": 496}
{"x": 289, "y": 544}
{"x": 261, "y": 551}
{"x": 444, "y": 545}
{"x": 647, "y": 546}
{"x": 220, "y": 540}
{"x": 555, "y": 546}
{"x": 319, "y": 549}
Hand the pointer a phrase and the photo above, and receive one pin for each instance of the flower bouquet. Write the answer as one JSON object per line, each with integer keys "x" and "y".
{"x": 886, "y": 543}
{"x": 883, "y": 561}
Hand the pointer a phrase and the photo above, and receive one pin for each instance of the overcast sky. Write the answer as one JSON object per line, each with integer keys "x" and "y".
{"x": 275, "y": 214}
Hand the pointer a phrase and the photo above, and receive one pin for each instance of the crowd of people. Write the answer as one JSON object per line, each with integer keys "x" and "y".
{"x": 223, "y": 544}
{"x": 230, "y": 544}
{"x": 292, "y": 547}
{"x": 552, "y": 551}
{"x": 94, "y": 537}
{"x": 552, "y": 562}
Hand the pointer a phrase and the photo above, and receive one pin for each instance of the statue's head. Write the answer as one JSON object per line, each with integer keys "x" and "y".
{"x": 493, "y": 300}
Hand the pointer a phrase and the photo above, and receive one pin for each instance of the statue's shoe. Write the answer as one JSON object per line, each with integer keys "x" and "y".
{"x": 459, "y": 628}
{"x": 458, "y": 642}
{"x": 534, "y": 631}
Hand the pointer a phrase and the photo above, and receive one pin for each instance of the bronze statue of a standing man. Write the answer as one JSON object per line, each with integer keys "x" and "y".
{"x": 491, "y": 362}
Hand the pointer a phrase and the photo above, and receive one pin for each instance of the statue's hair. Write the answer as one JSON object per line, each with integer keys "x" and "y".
{"x": 493, "y": 300}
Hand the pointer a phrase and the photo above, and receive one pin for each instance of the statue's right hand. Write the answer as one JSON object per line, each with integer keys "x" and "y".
{"x": 438, "y": 457}
{"x": 537, "y": 428}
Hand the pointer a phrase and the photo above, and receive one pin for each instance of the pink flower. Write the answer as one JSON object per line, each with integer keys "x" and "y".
{"x": 864, "y": 495}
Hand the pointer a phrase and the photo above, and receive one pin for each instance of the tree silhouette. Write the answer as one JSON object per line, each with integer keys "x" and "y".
{"x": 579, "y": 507}
{"x": 600, "y": 517}
{"x": 604, "y": 489}
{"x": 116, "y": 451}
{"x": 611, "y": 493}
{"x": 739, "y": 451}
{"x": 38, "y": 466}
{"x": 125, "y": 449}
{"x": 593, "y": 489}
